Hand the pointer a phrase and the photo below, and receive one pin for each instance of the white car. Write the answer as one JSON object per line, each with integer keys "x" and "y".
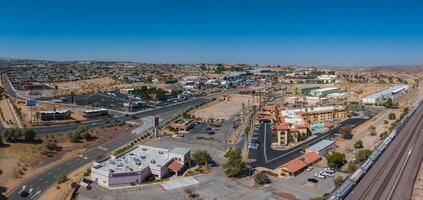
{"x": 310, "y": 168}
{"x": 324, "y": 173}
{"x": 329, "y": 170}
{"x": 318, "y": 175}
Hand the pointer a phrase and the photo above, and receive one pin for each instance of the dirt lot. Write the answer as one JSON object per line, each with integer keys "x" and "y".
{"x": 359, "y": 90}
{"x": 224, "y": 109}
{"x": 361, "y": 132}
{"x": 20, "y": 161}
{"x": 26, "y": 113}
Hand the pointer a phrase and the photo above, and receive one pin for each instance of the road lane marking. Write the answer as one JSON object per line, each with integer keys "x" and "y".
{"x": 265, "y": 142}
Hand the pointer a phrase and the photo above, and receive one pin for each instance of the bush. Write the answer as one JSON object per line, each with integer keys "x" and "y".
{"x": 392, "y": 116}
{"x": 261, "y": 178}
{"x": 383, "y": 135}
{"x": 363, "y": 154}
{"x": 352, "y": 167}
{"x": 358, "y": 144}
{"x": 62, "y": 178}
{"x": 74, "y": 184}
{"x": 74, "y": 137}
{"x": 338, "y": 180}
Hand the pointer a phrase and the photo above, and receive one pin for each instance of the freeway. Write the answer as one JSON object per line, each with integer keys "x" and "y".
{"x": 392, "y": 176}
{"x": 267, "y": 157}
{"x": 44, "y": 181}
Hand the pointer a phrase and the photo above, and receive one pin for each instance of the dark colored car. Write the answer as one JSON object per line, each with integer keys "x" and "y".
{"x": 313, "y": 180}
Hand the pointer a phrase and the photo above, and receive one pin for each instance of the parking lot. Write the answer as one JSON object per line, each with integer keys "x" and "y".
{"x": 304, "y": 189}
{"x": 267, "y": 157}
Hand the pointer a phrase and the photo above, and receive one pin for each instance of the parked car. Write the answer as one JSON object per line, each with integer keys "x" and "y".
{"x": 310, "y": 168}
{"x": 329, "y": 170}
{"x": 318, "y": 175}
{"x": 324, "y": 173}
{"x": 313, "y": 180}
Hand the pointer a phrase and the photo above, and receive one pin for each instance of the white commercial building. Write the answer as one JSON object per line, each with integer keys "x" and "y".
{"x": 322, "y": 92}
{"x": 322, "y": 147}
{"x": 138, "y": 164}
{"x": 382, "y": 96}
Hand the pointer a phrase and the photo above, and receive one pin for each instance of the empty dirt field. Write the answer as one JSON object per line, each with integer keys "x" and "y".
{"x": 224, "y": 109}
{"x": 20, "y": 161}
{"x": 359, "y": 90}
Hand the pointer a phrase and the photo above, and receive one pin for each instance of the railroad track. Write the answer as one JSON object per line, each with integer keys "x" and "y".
{"x": 402, "y": 145}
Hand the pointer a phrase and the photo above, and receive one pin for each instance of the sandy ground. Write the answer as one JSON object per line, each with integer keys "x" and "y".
{"x": 6, "y": 115}
{"x": 361, "y": 132}
{"x": 359, "y": 90}
{"x": 20, "y": 161}
{"x": 224, "y": 109}
{"x": 63, "y": 191}
{"x": 26, "y": 113}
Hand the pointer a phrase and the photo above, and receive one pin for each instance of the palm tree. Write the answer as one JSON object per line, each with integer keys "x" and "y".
{"x": 37, "y": 116}
{"x": 68, "y": 114}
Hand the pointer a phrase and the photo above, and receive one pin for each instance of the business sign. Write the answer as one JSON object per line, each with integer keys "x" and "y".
{"x": 31, "y": 102}
{"x": 156, "y": 121}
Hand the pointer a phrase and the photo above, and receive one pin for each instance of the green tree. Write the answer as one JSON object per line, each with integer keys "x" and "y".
{"x": 202, "y": 157}
{"x": 352, "y": 167}
{"x": 336, "y": 159}
{"x": 74, "y": 137}
{"x": 261, "y": 178}
{"x": 346, "y": 132}
{"x": 363, "y": 154}
{"x": 389, "y": 103}
{"x": 29, "y": 134}
{"x": 338, "y": 180}
{"x": 234, "y": 165}
{"x": 358, "y": 144}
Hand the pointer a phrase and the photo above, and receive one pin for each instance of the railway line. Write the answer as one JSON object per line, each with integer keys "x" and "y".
{"x": 390, "y": 170}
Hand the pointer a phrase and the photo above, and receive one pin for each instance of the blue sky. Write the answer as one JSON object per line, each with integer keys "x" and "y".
{"x": 192, "y": 31}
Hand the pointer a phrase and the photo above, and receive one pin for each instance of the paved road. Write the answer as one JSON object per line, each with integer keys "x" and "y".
{"x": 7, "y": 85}
{"x": 42, "y": 182}
{"x": 393, "y": 174}
{"x": 102, "y": 122}
{"x": 267, "y": 157}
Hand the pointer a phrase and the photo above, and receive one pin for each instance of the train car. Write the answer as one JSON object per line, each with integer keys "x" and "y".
{"x": 375, "y": 155}
{"x": 366, "y": 165}
{"x": 344, "y": 189}
{"x": 357, "y": 175}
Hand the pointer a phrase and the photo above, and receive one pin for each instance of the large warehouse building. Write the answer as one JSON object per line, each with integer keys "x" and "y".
{"x": 382, "y": 96}
{"x": 138, "y": 164}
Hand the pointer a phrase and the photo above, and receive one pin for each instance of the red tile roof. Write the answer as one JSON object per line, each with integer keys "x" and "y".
{"x": 310, "y": 157}
{"x": 175, "y": 166}
{"x": 294, "y": 166}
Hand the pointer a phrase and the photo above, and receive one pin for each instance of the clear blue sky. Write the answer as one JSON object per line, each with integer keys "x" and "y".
{"x": 338, "y": 32}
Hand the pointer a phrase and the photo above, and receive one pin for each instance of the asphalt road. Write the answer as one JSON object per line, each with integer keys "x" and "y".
{"x": 267, "y": 157}
{"x": 7, "y": 86}
{"x": 392, "y": 176}
{"x": 102, "y": 122}
{"x": 42, "y": 182}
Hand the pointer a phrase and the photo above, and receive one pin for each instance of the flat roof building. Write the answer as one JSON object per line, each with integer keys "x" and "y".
{"x": 324, "y": 91}
{"x": 138, "y": 164}
{"x": 322, "y": 147}
{"x": 384, "y": 95}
